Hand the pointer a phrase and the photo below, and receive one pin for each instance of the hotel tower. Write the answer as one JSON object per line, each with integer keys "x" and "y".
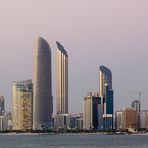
{"x": 106, "y": 93}
{"x": 105, "y": 78}
{"x": 61, "y": 80}
{"x": 105, "y": 85}
{"x": 42, "y": 86}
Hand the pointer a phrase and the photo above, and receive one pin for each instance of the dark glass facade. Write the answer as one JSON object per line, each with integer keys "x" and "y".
{"x": 109, "y": 101}
{"x": 42, "y": 93}
{"x": 106, "y": 93}
{"x": 95, "y": 101}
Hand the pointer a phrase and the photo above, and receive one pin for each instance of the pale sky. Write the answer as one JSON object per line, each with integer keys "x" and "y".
{"x": 113, "y": 33}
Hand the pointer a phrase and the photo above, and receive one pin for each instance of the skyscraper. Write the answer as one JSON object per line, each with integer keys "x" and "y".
{"x": 22, "y": 97}
{"x": 61, "y": 80}
{"x": 42, "y": 90}
{"x": 92, "y": 116}
{"x": 105, "y": 78}
{"x": 106, "y": 93}
{"x": 2, "y": 100}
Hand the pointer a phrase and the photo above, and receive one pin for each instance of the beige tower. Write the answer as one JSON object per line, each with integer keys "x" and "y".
{"x": 61, "y": 80}
{"x": 87, "y": 112}
{"x": 22, "y": 97}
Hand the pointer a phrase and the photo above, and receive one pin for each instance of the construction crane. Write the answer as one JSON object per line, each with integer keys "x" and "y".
{"x": 139, "y": 94}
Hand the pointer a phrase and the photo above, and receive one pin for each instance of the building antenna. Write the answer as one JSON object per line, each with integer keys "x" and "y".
{"x": 139, "y": 94}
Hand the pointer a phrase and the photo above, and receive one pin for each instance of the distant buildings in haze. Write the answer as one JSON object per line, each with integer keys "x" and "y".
{"x": 2, "y": 105}
{"x": 126, "y": 119}
{"x": 68, "y": 122}
{"x": 131, "y": 118}
{"x": 143, "y": 120}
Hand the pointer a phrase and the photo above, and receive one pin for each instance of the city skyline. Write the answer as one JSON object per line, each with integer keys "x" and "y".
{"x": 113, "y": 34}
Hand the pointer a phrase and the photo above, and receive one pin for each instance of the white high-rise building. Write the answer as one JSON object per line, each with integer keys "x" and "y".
{"x": 119, "y": 120}
{"x": 88, "y": 112}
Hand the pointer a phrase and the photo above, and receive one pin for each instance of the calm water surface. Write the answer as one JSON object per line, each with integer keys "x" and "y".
{"x": 73, "y": 141}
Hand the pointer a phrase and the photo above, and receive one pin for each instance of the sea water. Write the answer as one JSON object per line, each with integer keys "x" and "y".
{"x": 73, "y": 141}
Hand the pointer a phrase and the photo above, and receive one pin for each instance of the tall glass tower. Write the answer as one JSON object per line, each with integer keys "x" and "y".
{"x": 105, "y": 79}
{"x": 106, "y": 93}
{"x": 61, "y": 80}
{"x": 42, "y": 90}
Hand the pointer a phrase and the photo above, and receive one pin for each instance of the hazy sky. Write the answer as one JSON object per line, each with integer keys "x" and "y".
{"x": 113, "y": 33}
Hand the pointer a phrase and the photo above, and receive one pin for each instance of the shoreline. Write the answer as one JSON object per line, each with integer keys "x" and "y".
{"x": 72, "y": 133}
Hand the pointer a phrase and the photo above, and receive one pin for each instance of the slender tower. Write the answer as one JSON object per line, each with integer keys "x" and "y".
{"x": 105, "y": 78}
{"x": 42, "y": 90}
{"x": 106, "y": 93}
{"x": 106, "y": 88}
{"x": 61, "y": 80}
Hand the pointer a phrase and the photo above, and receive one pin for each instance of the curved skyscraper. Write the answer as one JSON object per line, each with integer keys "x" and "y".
{"x": 105, "y": 78}
{"x": 42, "y": 86}
{"x": 61, "y": 80}
{"x": 106, "y": 93}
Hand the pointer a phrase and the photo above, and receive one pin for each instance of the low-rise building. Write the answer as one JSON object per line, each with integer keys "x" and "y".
{"x": 119, "y": 120}
{"x": 144, "y": 120}
{"x": 130, "y": 118}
